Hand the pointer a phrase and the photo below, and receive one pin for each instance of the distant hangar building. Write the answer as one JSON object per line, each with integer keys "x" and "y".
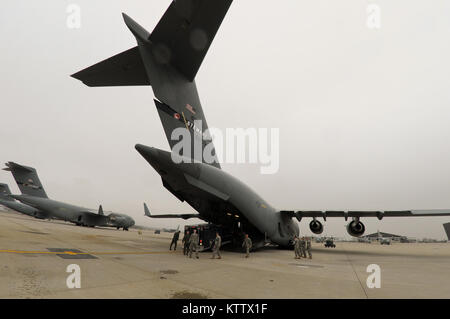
{"x": 376, "y": 235}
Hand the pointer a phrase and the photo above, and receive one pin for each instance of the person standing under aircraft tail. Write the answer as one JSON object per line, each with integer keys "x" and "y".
{"x": 303, "y": 247}
{"x": 216, "y": 247}
{"x": 297, "y": 247}
{"x": 247, "y": 244}
{"x": 193, "y": 244}
{"x": 308, "y": 247}
{"x": 175, "y": 237}
{"x": 185, "y": 242}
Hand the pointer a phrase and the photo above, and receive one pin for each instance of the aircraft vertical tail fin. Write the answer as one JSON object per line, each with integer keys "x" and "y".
{"x": 4, "y": 192}
{"x": 27, "y": 179}
{"x": 168, "y": 59}
{"x": 147, "y": 211}
{"x": 447, "y": 230}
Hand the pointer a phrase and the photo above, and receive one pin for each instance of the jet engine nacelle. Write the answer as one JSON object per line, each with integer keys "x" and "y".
{"x": 355, "y": 228}
{"x": 316, "y": 227}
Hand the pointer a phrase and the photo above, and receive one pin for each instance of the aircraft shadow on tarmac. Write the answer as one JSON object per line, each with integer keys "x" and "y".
{"x": 378, "y": 253}
{"x": 340, "y": 251}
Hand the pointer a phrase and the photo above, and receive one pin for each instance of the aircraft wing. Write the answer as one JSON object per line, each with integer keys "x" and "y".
{"x": 379, "y": 214}
{"x": 91, "y": 218}
{"x": 183, "y": 216}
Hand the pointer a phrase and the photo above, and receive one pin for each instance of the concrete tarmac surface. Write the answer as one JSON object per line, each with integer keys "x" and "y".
{"x": 34, "y": 256}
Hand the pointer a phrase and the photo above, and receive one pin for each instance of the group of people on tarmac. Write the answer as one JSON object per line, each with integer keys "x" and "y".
{"x": 191, "y": 243}
{"x": 301, "y": 247}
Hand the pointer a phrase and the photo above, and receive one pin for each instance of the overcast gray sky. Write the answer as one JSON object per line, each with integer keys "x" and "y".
{"x": 363, "y": 113}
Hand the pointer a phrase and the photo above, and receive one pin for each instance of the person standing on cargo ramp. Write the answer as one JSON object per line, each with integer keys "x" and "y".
{"x": 193, "y": 244}
{"x": 308, "y": 247}
{"x": 297, "y": 247}
{"x": 247, "y": 244}
{"x": 175, "y": 240}
{"x": 186, "y": 242}
{"x": 216, "y": 248}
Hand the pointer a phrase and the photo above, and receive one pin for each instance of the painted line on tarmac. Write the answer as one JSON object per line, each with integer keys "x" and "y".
{"x": 10, "y": 251}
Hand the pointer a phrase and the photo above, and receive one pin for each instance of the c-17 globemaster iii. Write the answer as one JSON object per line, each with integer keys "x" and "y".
{"x": 35, "y": 197}
{"x": 168, "y": 59}
{"x": 8, "y": 201}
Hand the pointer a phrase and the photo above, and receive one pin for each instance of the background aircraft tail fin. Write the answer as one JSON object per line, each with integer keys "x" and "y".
{"x": 27, "y": 179}
{"x": 447, "y": 230}
{"x": 4, "y": 192}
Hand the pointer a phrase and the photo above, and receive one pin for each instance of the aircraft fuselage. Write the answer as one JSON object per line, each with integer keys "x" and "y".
{"x": 219, "y": 197}
{"x": 23, "y": 208}
{"x": 74, "y": 214}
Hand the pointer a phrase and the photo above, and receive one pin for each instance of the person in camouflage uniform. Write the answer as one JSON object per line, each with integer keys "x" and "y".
{"x": 186, "y": 242}
{"x": 175, "y": 238}
{"x": 303, "y": 247}
{"x": 247, "y": 244}
{"x": 297, "y": 247}
{"x": 193, "y": 244}
{"x": 308, "y": 247}
{"x": 216, "y": 247}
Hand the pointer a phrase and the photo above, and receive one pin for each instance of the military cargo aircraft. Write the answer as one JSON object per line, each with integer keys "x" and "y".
{"x": 9, "y": 202}
{"x": 35, "y": 197}
{"x": 167, "y": 59}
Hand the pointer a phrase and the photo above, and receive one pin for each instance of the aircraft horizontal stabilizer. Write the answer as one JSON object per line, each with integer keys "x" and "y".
{"x": 123, "y": 69}
{"x": 183, "y": 216}
{"x": 11, "y": 165}
{"x": 186, "y": 32}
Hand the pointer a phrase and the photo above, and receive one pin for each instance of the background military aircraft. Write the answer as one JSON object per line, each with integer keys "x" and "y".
{"x": 168, "y": 60}
{"x": 9, "y": 202}
{"x": 34, "y": 197}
